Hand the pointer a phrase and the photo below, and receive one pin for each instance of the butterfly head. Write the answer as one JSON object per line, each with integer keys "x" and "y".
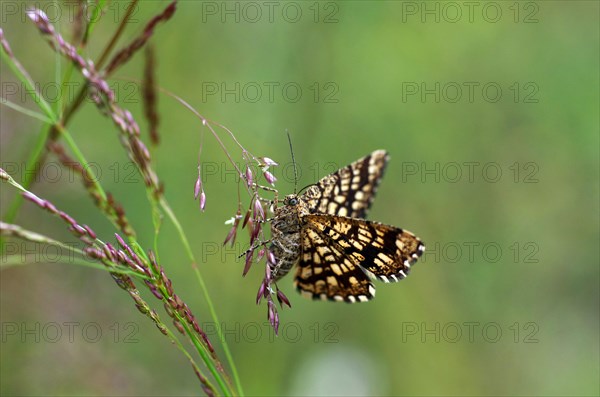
{"x": 291, "y": 200}
{"x": 295, "y": 204}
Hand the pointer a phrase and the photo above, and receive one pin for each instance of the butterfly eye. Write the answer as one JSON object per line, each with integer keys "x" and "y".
{"x": 293, "y": 201}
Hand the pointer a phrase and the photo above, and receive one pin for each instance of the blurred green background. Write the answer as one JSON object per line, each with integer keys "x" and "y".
{"x": 490, "y": 114}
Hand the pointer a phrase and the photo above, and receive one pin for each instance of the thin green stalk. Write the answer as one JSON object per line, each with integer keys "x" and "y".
{"x": 25, "y": 111}
{"x": 165, "y": 205}
{"x": 187, "y": 354}
{"x": 17, "y": 260}
{"x": 222, "y": 379}
{"x": 15, "y": 230}
{"x": 35, "y": 154}
{"x": 63, "y": 85}
{"x": 202, "y": 350}
{"x": 93, "y": 20}
{"x": 81, "y": 159}
{"x": 223, "y": 385}
{"x": 24, "y": 78}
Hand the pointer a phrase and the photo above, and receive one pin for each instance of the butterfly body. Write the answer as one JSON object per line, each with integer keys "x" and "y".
{"x": 338, "y": 253}
{"x": 285, "y": 234}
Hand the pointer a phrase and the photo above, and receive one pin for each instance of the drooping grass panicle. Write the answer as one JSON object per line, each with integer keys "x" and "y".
{"x": 255, "y": 219}
{"x": 45, "y": 27}
{"x": 145, "y": 267}
{"x": 149, "y": 94}
{"x": 105, "y": 100}
{"x": 125, "y": 54}
{"x": 52, "y": 132}
{"x": 129, "y": 255}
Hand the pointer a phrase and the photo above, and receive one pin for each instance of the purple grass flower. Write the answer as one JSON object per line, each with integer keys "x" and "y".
{"x": 254, "y": 231}
{"x": 271, "y": 309}
{"x": 261, "y": 254}
{"x": 79, "y": 230}
{"x": 34, "y": 199}
{"x": 202, "y": 200}
{"x": 272, "y": 315}
{"x": 259, "y": 212}
{"x": 276, "y": 323}
{"x": 153, "y": 264}
{"x": 270, "y": 177}
{"x": 179, "y": 327}
{"x": 149, "y": 95}
{"x": 154, "y": 291}
{"x": 267, "y": 162}
{"x": 67, "y": 218}
{"x": 246, "y": 218}
{"x": 248, "y": 263}
{"x": 282, "y": 298}
{"x": 235, "y": 221}
{"x": 109, "y": 252}
{"x": 90, "y": 232}
{"x": 120, "y": 240}
{"x": 50, "y": 207}
{"x": 261, "y": 292}
{"x": 199, "y": 191}
{"x": 5, "y": 47}
{"x": 197, "y": 187}
{"x": 93, "y": 253}
{"x": 271, "y": 258}
{"x": 249, "y": 176}
{"x": 231, "y": 236}
{"x": 41, "y": 20}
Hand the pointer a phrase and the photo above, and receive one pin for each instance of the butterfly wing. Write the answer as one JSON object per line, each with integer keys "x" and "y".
{"x": 338, "y": 251}
{"x": 326, "y": 272}
{"x": 350, "y": 190}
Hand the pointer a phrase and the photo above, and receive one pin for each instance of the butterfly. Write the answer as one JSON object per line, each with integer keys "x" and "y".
{"x": 337, "y": 253}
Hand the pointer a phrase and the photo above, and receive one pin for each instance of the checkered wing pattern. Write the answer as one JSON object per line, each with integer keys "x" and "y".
{"x": 341, "y": 255}
{"x": 350, "y": 190}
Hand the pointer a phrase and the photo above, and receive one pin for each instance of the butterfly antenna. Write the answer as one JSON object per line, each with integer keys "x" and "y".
{"x": 293, "y": 162}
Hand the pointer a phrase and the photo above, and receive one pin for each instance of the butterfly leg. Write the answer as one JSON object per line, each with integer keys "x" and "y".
{"x": 254, "y": 247}
{"x": 268, "y": 189}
